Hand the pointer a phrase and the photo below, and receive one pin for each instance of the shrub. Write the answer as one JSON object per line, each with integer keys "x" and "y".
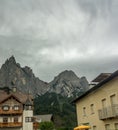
{"x": 46, "y": 125}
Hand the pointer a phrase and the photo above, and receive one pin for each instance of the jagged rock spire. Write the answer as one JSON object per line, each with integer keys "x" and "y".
{"x": 10, "y": 60}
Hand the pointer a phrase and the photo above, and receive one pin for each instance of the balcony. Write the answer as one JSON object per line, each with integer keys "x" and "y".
{"x": 35, "y": 125}
{"x": 10, "y": 124}
{"x": 108, "y": 112}
{"x": 11, "y": 111}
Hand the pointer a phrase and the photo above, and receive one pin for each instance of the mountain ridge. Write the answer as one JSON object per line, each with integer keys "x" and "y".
{"x": 67, "y": 82}
{"x": 23, "y": 78}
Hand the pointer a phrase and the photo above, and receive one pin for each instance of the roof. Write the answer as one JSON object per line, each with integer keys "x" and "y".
{"x": 113, "y": 75}
{"x": 101, "y": 77}
{"x": 43, "y": 118}
{"x": 21, "y": 97}
{"x": 28, "y": 102}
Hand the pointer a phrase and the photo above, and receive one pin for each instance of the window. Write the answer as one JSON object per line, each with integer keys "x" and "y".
{"x": 28, "y": 107}
{"x": 28, "y": 119}
{"x": 116, "y": 126}
{"x": 16, "y": 107}
{"x": 92, "y": 108}
{"x": 113, "y": 99}
{"x": 84, "y": 111}
{"x": 5, "y": 107}
{"x": 88, "y": 124}
{"x": 104, "y": 106}
{"x": 5, "y": 120}
{"x": 94, "y": 128}
{"x": 107, "y": 127}
{"x": 15, "y": 119}
{"x": 104, "y": 103}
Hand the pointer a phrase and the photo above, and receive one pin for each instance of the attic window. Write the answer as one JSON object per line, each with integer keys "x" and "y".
{"x": 5, "y": 107}
{"x": 28, "y": 107}
{"x": 16, "y": 107}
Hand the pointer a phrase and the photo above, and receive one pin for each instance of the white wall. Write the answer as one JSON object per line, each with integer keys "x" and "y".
{"x": 27, "y": 125}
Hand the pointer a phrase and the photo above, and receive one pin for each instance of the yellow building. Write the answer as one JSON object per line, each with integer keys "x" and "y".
{"x": 98, "y": 107}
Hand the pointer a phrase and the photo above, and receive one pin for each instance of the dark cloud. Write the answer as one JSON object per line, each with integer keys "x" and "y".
{"x": 53, "y": 35}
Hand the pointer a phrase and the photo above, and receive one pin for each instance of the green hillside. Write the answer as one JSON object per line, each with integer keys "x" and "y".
{"x": 61, "y": 108}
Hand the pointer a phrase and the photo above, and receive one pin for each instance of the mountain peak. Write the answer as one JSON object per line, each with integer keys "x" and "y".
{"x": 68, "y": 75}
{"x": 11, "y": 60}
{"x": 68, "y": 84}
{"x": 24, "y": 78}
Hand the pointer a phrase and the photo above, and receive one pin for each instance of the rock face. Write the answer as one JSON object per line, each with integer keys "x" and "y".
{"x": 66, "y": 83}
{"x": 11, "y": 74}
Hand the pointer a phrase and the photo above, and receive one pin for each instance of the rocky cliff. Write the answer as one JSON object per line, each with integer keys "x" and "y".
{"x": 66, "y": 83}
{"x": 11, "y": 74}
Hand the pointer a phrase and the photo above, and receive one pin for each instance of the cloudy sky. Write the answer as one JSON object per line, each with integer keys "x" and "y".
{"x": 51, "y": 36}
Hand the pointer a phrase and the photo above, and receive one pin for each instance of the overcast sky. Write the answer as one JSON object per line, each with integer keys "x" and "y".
{"x": 51, "y": 36}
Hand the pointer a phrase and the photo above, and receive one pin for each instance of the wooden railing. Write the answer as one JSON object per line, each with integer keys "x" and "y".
{"x": 35, "y": 125}
{"x": 108, "y": 112}
{"x": 3, "y": 112}
{"x": 11, "y": 124}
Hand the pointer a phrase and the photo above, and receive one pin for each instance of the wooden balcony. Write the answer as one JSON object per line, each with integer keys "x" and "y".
{"x": 10, "y": 124}
{"x": 4, "y": 112}
{"x": 35, "y": 125}
{"x": 108, "y": 112}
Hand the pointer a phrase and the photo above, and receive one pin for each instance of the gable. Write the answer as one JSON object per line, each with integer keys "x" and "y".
{"x": 11, "y": 98}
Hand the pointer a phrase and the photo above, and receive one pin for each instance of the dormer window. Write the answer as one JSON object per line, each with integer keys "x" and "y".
{"x": 5, "y": 107}
{"x": 28, "y": 107}
{"x": 28, "y": 104}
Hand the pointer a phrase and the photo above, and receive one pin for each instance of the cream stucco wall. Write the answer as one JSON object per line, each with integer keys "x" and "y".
{"x": 27, "y": 125}
{"x": 95, "y": 98}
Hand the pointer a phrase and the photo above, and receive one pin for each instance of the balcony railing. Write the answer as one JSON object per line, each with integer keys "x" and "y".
{"x": 11, "y": 124}
{"x": 11, "y": 111}
{"x": 108, "y": 112}
{"x": 35, "y": 125}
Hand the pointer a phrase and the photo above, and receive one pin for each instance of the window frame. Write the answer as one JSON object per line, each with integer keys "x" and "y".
{"x": 84, "y": 111}
{"x": 92, "y": 109}
{"x": 116, "y": 126}
{"x": 107, "y": 126}
{"x": 113, "y": 99}
{"x": 4, "y": 107}
{"x": 28, "y": 119}
{"x": 5, "y": 119}
{"x": 94, "y": 127}
{"x": 16, "y": 119}
{"x": 16, "y": 107}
